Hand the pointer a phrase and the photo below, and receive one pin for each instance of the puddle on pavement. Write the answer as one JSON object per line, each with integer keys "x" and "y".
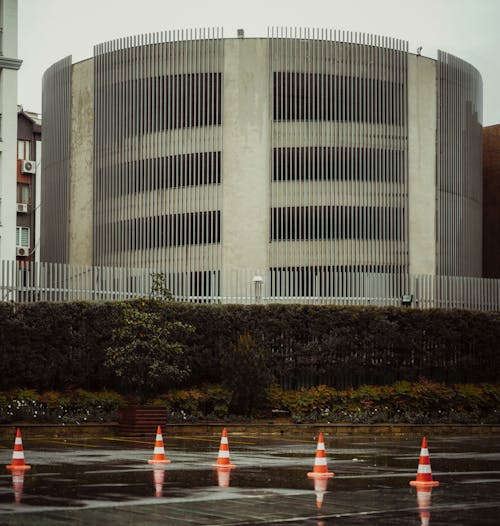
{"x": 365, "y": 472}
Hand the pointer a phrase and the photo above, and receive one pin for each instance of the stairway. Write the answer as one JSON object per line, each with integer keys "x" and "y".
{"x": 141, "y": 420}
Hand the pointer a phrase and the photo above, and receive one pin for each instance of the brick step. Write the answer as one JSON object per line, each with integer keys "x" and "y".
{"x": 140, "y": 421}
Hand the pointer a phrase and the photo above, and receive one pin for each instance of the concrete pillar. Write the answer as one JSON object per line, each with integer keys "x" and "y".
{"x": 246, "y": 158}
{"x": 422, "y": 126}
{"x": 80, "y": 183}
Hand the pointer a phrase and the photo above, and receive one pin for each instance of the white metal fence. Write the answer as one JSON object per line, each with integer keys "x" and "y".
{"x": 61, "y": 282}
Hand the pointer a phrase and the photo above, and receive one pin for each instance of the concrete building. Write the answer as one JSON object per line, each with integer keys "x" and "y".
{"x": 301, "y": 158}
{"x": 29, "y": 136}
{"x": 9, "y": 64}
{"x": 491, "y": 204}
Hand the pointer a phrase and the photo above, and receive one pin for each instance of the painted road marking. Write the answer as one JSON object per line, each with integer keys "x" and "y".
{"x": 166, "y": 437}
{"x": 113, "y": 439}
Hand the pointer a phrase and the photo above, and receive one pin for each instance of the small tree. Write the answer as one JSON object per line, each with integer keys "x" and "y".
{"x": 159, "y": 289}
{"x": 246, "y": 372}
{"x": 144, "y": 352}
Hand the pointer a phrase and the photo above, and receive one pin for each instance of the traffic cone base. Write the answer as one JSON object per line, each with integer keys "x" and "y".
{"x": 159, "y": 451}
{"x": 320, "y": 469}
{"x": 18, "y": 454}
{"x": 223, "y": 460}
{"x": 161, "y": 461}
{"x": 424, "y": 471}
{"x": 222, "y": 467}
{"x": 419, "y": 483}
{"x": 327, "y": 475}
{"x": 20, "y": 468}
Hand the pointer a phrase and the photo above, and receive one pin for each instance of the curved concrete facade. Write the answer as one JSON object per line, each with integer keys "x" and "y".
{"x": 459, "y": 172}
{"x": 308, "y": 155}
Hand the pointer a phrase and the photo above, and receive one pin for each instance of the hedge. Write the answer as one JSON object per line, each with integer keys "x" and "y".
{"x": 49, "y": 346}
{"x": 421, "y": 402}
{"x": 74, "y": 407}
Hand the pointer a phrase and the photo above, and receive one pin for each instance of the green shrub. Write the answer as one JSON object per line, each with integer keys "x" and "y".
{"x": 246, "y": 373}
{"x": 210, "y": 401}
{"x": 72, "y": 407}
{"x": 144, "y": 352}
{"x": 50, "y": 346}
{"x": 418, "y": 402}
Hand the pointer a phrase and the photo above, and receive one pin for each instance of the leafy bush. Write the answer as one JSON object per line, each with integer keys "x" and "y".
{"x": 419, "y": 402}
{"x": 246, "y": 373}
{"x": 403, "y": 402}
{"x": 210, "y": 401}
{"x": 315, "y": 402}
{"x": 74, "y": 407}
{"x": 144, "y": 352}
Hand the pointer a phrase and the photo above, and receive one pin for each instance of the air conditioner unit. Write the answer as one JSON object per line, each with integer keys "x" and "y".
{"x": 22, "y": 208}
{"x": 22, "y": 251}
{"x": 28, "y": 167}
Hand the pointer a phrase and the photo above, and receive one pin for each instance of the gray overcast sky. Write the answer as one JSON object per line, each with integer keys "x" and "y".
{"x": 52, "y": 29}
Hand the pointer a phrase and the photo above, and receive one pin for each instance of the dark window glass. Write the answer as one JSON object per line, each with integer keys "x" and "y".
{"x": 23, "y": 193}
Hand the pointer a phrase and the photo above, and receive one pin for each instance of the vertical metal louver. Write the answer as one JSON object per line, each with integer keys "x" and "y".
{"x": 339, "y": 174}
{"x": 459, "y": 168}
{"x": 157, "y": 155}
{"x": 56, "y": 111}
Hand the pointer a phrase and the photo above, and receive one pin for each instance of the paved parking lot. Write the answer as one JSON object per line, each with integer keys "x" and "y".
{"x": 108, "y": 481}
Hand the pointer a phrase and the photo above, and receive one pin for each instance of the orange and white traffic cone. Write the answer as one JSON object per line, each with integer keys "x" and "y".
{"x": 17, "y": 484}
{"x": 159, "y": 479}
{"x": 223, "y": 460}
{"x": 424, "y": 503}
{"x": 424, "y": 472}
{"x": 320, "y": 485}
{"x": 320, "y": 469}
{"x": 18, "y": 454}
{"x": 223, "y": 477}
{"x": 159, "y": 451}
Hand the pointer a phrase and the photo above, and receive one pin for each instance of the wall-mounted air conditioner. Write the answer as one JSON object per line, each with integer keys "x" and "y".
{"x": 28, "y": 167}
{"x": 22, "y": 251}
{"x": 22, "y": 208}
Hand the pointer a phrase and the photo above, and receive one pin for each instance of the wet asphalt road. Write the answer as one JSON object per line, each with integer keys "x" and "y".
{"x": 108, "y": 481}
